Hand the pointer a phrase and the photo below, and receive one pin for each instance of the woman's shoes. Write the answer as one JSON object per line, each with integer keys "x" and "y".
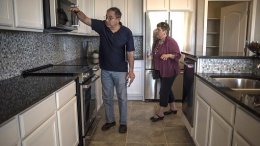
{"x": 170, "y": 112}
{"x": 155, "y": 119}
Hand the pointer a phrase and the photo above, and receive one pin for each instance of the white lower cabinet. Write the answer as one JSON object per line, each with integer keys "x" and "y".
{"x": 220, "y": 131}
{"x": 238, "y": 140}
{"x": 9, "y": 133}
{"x": 214, "y": 117}
{"x": 201, "y": 122}
{"x": 136, "y": 90}
{"x": 248, "y": 128}
{"x": 36, "y": 115}
{"x": 45, "y": 135}
{"x": 68, "y": 124}
{"x": 51, "y": 122}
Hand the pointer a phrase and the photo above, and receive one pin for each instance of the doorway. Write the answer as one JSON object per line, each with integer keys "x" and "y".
{"x": 226, "y": 21}
{"x": 227, "y": 27}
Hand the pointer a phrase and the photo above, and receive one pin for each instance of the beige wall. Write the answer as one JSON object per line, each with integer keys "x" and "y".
{"x": 200, "y": 25}
{"x": 257, "y": 22}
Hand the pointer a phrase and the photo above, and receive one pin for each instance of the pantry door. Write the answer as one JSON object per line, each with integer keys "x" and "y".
{"x": 233, "y": 28}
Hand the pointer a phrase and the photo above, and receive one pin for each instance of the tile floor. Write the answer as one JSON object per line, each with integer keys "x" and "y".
{"x": 141, "y": 131}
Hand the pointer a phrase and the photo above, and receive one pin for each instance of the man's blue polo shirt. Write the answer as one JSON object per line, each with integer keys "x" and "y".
{"x": 113, "y": 46}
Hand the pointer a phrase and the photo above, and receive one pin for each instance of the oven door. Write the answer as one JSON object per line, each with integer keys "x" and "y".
{"x": 88, "y": 104}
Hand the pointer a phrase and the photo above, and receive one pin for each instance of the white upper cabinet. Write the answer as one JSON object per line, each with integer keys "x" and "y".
{"x": 28, "y": 14}
{"x": 86, "y": 6}
{"x": 122, "y": 5}
{"x": 6, "y": 13}
{"x": 169, "y": 4}
{"x": 181, "y": 4}
{"x": 132, "y": 12}
{"x": 135, "y": 16}
{"x": 157, "y": 4}
{"x": 100, "y": 8}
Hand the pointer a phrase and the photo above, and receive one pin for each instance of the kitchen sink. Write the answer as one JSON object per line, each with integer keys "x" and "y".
{"x": 243, "y": 85}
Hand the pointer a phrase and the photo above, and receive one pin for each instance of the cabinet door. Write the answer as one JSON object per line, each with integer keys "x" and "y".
{"x": 9, "y": 133}
{"x": 99, "y": 90}
{"x": 157, "y": 4}
{"x": 82, "y": 28}
{"x": 220, "y": 131}
{"x": 181, "y": 4}
{"x": 100, "y": 8}
{"x": 122, "y": 5}
{"x": 35, "y": 116}
{"x": 45, "y": 135}
{"x": 86, "y": 6}
{"x": 28, "y": 14}
{"x": 238, "y": 140}
{"x": 247, "y": 126}
{"x": 135, "y": 91}
{"x": 202, "y": 117}
{"x": 134, "y": 16}
{"x": 68, "y": 124}
{"x": 6, "y": 13}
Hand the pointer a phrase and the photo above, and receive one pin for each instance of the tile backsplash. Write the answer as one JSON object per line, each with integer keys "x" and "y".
{"x": 24, "y": 50}
{"x": 209, "y": 65}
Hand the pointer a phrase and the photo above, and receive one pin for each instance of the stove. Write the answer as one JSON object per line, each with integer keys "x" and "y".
{"x": 85, "y": 90}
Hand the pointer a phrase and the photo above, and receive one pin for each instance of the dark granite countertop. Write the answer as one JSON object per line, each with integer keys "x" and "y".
{"x": 237, "y": 97}
{"x": 19, "y": 93}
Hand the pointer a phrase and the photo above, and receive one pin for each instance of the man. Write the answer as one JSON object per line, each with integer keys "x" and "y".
{"x": 115, "y": 40}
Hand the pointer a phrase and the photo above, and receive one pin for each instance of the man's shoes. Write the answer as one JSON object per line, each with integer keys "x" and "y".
{"x": 170, "y": 112}
{"x": 122, "y": 129}
{"x": 107, "y": 126}
{"x": 157, "y": 118}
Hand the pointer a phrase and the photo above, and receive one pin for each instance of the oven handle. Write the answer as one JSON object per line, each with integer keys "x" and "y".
{"x": 186, "y": 64}
{"x": 90, "y": 82}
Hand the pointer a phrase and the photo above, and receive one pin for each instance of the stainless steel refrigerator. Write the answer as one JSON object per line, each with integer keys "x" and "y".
{"x": 178, "y": 22}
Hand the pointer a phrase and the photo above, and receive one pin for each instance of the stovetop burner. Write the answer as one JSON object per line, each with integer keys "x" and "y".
{"x": 83, "y": 72}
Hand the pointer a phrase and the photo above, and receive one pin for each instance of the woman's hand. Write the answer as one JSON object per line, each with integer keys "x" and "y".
{"x": 167, "y": 56}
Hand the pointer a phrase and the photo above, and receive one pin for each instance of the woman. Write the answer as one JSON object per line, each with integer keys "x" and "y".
{"x": 166, "y": 55}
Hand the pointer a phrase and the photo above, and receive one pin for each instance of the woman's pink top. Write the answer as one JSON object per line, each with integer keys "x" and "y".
{"x": 169, "y": 67}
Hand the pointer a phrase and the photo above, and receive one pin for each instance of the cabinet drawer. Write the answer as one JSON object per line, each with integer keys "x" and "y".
{"x": 9, "y": 133}
{"x": 65, "y": 94}
{"x": 248, "y": 127}
{"x": 138, "y": 63}
{"x": 38, "y": 114}
{"x": 222, "y": 106}
{"x": 44, "y": 135}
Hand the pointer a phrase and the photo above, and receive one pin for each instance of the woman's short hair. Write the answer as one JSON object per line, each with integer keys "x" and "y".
{"x": 164, "y": 26}
{"x": 116, "y": 10}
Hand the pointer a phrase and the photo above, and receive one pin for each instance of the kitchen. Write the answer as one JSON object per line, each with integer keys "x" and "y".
{"x": 24, "y": 46}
